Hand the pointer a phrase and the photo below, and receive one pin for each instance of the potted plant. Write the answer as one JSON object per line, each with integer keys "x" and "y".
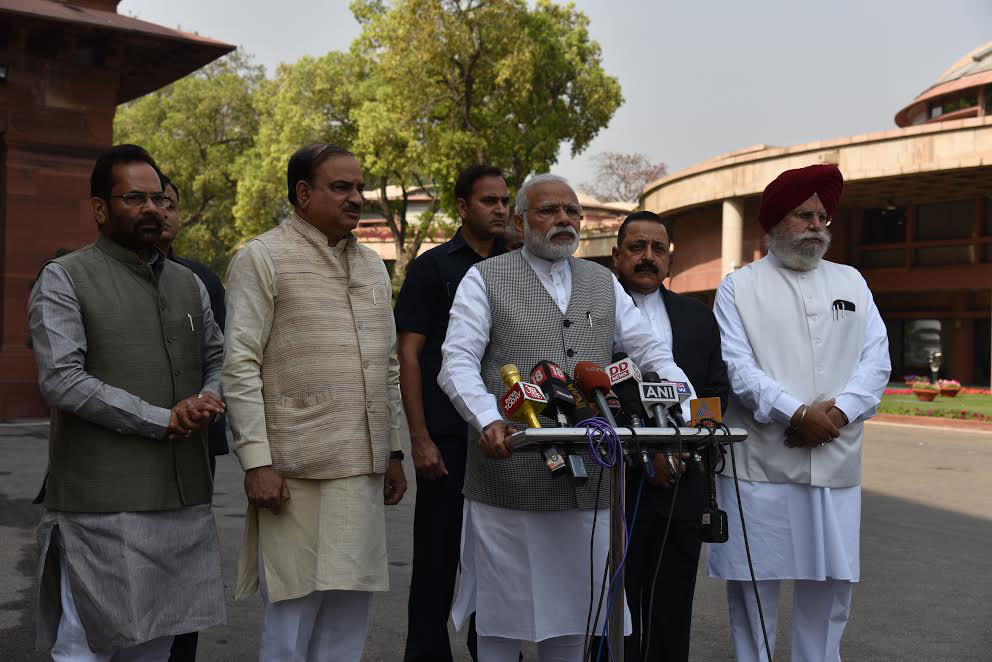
{"x": 925, "y": 391}
{"x": 909, "y": 380}
{"x": 949, "y": 387}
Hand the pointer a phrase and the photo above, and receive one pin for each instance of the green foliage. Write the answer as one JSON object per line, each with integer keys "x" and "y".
{"x": 197, "y": 129}
{"x": 428, "y": 88}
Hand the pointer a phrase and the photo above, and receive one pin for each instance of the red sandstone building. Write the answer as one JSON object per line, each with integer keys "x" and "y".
{"x": 915, "y": 219}
{"x": 64, "y": 68}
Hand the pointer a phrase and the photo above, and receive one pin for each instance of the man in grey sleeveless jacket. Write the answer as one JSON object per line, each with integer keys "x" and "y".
{"x": 129, "y": 359}
{"x": 525, "y": 568}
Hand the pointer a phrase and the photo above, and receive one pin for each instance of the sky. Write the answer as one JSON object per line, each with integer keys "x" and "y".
{"x": 698, "y": 78}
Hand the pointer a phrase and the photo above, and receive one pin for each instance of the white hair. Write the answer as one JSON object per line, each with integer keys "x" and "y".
{"x": 794, "y": 250}
{"x": 521, "y": 203}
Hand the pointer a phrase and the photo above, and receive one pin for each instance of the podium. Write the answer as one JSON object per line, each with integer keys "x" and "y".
{"x": 667, "y": 439}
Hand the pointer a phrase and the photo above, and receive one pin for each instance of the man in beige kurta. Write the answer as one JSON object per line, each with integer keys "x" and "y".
{"x": 312, "y": 385}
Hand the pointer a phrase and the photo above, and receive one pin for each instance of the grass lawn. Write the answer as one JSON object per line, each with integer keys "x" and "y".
{"x": 945, "y": 407}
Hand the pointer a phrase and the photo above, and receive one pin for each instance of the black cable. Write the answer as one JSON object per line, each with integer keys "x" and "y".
{"x": 592, "y": 548}
{"x": 661, "y": 555}
{"x": 747, "y": 549}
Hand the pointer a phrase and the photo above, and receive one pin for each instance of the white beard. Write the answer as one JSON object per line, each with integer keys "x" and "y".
{"x": 543, "y": 247}
{"x": 794, "y": 252}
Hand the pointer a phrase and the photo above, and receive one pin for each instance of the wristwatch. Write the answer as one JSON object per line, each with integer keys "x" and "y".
{"x": 397, "y": 455}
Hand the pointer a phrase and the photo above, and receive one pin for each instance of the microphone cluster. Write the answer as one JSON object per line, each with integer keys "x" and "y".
{"x": 618, "y": 391}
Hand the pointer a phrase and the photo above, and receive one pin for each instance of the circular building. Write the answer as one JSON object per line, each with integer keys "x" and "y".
{"x": 915, "y": 219}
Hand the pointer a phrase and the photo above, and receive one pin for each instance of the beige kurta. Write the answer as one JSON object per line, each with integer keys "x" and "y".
{"x": 331, "y": 534}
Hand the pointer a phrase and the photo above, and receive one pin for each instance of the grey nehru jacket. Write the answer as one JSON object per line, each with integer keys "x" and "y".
{"x": 529, "y": 327}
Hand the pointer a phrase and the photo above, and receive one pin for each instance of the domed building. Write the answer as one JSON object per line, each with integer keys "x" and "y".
{"x": 915, "y": 219}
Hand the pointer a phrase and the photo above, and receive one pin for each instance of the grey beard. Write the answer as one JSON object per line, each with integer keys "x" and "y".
{"x": 795, "y": 254}
{"x": 543, "y": 247}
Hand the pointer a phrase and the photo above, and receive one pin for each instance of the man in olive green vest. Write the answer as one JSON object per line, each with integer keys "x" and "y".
{"x": 129, "y": 359}
{"x": 312, "y": 381}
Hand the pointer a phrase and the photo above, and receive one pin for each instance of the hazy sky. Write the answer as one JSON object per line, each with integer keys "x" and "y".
{"x": 698, "y": 78}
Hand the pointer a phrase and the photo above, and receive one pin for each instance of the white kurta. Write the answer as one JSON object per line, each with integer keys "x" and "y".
{"x": 795, "y": 531}
{"x": 525, "y": 573}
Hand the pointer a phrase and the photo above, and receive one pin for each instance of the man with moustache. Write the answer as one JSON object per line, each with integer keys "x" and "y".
{"x": 641, "y": 260}
{"x": 184, "y": 645}
{"x": 521, "y": 572}
{"x": 807, "y": 355}
{"x": 437, "y": 432}
{"x": 129, "y": 359}
{"x": 312, "y": 381}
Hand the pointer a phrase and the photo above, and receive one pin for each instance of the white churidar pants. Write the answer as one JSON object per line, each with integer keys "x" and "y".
{"x": 71, "y": 646}
{"x": 324, "y": 626}
{"x": 557, "y": 649}
{"x": 819, "y": 615}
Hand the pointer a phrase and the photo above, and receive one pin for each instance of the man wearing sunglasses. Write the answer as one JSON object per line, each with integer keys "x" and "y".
{"x": 129, "y": 359}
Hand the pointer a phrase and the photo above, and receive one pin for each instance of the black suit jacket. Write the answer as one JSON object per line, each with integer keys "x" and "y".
{"x": 216, "y": 432}
{"x": 696, "y": 348}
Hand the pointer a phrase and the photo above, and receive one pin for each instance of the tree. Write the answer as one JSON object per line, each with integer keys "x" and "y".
{"x": 474, "y": 81}
{"x": 197, "y": 129}
{"x": 622, "y": 176}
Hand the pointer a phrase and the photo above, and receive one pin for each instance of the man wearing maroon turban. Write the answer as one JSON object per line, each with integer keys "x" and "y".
{"x": 808, "y": 360}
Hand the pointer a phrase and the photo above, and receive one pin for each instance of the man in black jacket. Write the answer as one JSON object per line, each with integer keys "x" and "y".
{"x": 184, "y": 645}
{"x": 641, "y": 260}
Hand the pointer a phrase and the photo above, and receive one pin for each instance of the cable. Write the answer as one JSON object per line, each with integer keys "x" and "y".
{"x": 592, "y": 570}
{"x": 747, "y": 550}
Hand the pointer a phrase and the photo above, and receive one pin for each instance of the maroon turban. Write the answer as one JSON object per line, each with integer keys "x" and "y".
{"x": 794, "y": 187}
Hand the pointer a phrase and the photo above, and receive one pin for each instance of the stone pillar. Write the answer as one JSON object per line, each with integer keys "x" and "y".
{"x": 731, "y": 247}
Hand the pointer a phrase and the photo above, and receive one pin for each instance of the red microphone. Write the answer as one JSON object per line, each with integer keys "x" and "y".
{"x": 593, "y": 381}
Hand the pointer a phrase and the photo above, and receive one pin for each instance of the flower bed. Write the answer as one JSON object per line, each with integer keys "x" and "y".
{"x": 962, "y": 414}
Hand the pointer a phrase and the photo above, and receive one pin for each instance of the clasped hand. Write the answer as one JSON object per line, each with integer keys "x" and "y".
{"x": 193, "y": 413}
{"x": 819, "y": 425}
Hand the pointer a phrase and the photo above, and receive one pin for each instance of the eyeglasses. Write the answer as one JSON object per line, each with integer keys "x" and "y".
{"x": 139, "y": 198}
{"x": 808, "y": 217}
{"x": 550, "y": 211}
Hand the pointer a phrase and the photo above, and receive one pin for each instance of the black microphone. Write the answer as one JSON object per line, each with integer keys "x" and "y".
{"x": 583, "y": 408}
{"x": 625, "y": 378}
{"x": 553, "y": 381}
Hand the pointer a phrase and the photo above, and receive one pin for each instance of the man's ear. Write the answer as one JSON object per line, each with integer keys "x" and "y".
{"x": 302, "y": 194}
{"x": 461, "y": 206}
{"x": 518, "y": 222}
{"x": 100, "y": 212}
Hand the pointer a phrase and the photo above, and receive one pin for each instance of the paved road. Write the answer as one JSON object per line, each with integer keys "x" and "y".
{"x": 926, "y": 557}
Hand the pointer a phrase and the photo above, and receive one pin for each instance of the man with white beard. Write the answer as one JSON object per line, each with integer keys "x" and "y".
{"x": 525, "y": 564}
{"x": 808, "y": 360}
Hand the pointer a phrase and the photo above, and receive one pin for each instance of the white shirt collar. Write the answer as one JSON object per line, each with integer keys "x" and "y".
{"x": 541, "y": 265}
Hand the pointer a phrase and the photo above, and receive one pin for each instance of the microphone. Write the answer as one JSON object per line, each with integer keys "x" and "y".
{"x": 583, "y": 408}
{"x": 656, "y": 394}
{"x": 662, "y": 397}
{"x": 625, "y": 378}
{"x": 713, "y": 525}
{"x": 523, "y": 401}
{"x": 595, "y": 384}
{"x": 554, "y": 383}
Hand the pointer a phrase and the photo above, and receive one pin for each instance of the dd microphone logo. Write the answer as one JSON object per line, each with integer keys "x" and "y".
{"x": 622, "y": 370}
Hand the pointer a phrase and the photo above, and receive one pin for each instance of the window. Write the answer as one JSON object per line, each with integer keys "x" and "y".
{"x": 920, "y": 339}
{"x": 945, "y": 220}
{"x": 953, "y": 102}
{"x": 987, "y": 231}
{"x": 939, "y": 256}
{"x": 883, "y": 226}
{"x": 988, "y": 100}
